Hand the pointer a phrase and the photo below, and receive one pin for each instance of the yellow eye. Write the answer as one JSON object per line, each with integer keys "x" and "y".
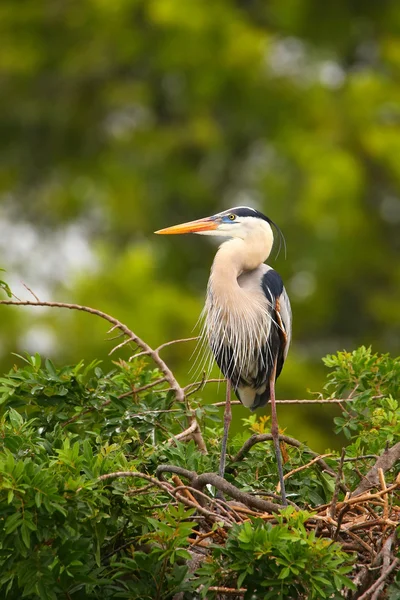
{"x": 231, "y": 217}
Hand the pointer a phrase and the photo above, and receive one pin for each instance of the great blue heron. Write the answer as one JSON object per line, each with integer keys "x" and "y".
{"x": 247, "y": 313}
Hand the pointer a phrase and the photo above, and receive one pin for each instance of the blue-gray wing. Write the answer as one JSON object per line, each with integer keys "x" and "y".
{"x": 281, "y": 317}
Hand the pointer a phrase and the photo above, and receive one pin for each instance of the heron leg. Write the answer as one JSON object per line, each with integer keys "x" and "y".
{"x": 275, "y": 434}
{"x": 227, "y": 422}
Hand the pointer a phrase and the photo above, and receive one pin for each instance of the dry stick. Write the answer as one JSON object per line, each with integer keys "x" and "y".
{"x": 369, "y": 497}
{"x": 362, "y": 543}
{"x": 298, "y": 469}
{"x": 385, "y": 498}
{"x": 166, "y": 487}
{"x": 385, "y": 553}
{"x": 180, "y": 485}
{"x": 169, "y": 376}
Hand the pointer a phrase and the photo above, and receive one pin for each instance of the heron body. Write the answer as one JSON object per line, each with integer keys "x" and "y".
{"x": 247, "y": 314}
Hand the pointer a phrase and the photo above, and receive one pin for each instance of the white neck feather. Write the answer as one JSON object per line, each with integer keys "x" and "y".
{"x": 240, "y": 254}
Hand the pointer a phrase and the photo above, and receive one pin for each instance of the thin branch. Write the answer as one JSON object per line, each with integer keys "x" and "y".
{"x": 298, "y": 469}
{"x": 184, "y": 434}
{"x": 143, "y": 388}
{"x": 165, "y": 344}
{"x": 325, "y": 401}
{"x": 30, "y": 291}
{"x": 119, "y": 346}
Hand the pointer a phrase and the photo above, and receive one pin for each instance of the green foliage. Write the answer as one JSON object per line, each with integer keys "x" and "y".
{"x": 119, "y": 118}
{"x": 65, "y": 532}
{"x": 5, "y": 287}
{"x": 284, "y": 560}
{"x": 372, "y": 382}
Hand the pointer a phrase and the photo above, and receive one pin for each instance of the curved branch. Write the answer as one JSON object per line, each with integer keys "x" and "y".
{"x": 116, "y": 324}
{"x": 198, "y": 482}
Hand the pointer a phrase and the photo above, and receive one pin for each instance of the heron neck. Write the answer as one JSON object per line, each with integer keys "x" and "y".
{"x": 237, "y": 256}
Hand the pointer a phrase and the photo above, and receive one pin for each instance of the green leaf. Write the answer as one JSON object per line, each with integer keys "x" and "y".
{"x": 25, "y": 534}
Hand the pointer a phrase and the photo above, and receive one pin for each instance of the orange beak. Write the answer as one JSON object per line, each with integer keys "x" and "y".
{"x": 206, "y": 224}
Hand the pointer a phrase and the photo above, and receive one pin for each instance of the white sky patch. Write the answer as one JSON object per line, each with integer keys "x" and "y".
{"x": 331, "y": 75}
{"x": 42, "y": 260}
{"x": 302, "y": 285}
{"x": 290, "y": 57}
{"x": 39, "y": 338}
{"x": 390, "y": 209}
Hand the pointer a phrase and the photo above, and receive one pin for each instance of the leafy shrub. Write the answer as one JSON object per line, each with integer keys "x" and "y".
{"x": 284, "y": 560}
{"x": 66, "y": 532}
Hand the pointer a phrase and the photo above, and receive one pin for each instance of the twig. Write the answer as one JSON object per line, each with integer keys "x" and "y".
{"x": 143, "y": 388}
{"x": 163, "y": 346}
{"x": 385, "y": 498}
{"x": 30, "y": 291}
{"x": 184, "y": 434}
{"x": 298, "y": 469}
{"x": 204, "y": 382}
{"x": 355, "y": 458}
{"x": 119, "y": 346}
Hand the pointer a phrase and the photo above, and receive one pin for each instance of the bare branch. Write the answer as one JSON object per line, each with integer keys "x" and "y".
{"x": 385, "y": 462}
{"x": 184, "y": 434}
{"x": 325, "y": 401}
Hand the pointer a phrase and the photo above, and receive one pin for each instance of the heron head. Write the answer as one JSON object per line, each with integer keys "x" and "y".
{"x": 239, "y": 222}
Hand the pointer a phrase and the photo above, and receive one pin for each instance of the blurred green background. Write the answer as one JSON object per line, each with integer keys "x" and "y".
{"x": 119, "y": 117}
